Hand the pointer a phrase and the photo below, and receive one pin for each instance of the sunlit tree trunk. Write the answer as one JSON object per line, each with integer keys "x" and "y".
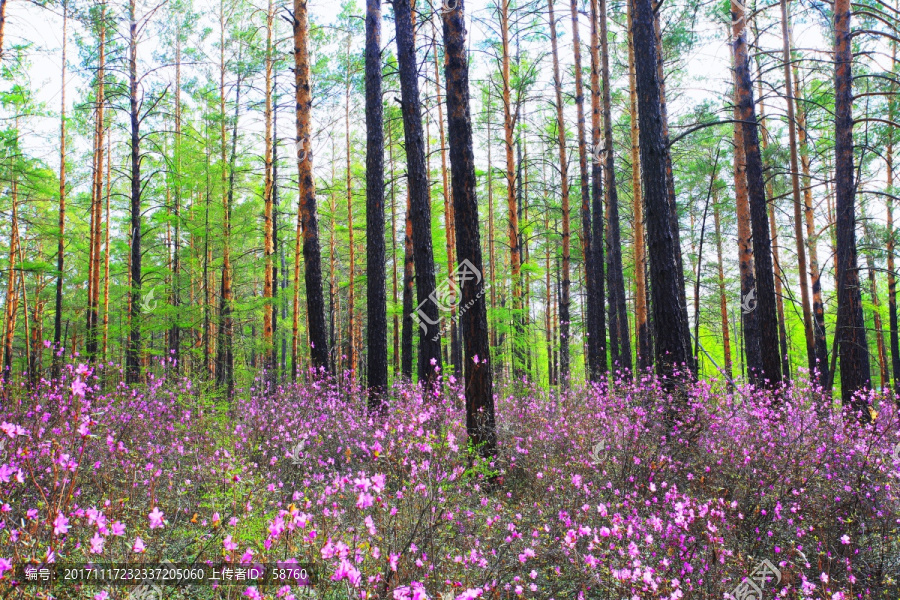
{"x": 515, "y": 251}
{"x": 566, "y": 233}
{"x": 106, "y": 253}
{"x": 96, "y": 196}
{"x": 307, "y": 222}
{"x": 11, "y": 277}
{"x": 812, "y": 236}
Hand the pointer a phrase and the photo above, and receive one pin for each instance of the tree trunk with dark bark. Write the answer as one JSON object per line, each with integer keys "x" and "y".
{"x": 597, "y": 218}
{"x": 61, "y": 228}
{"x": 762, "y": 249}
{"x": 132, "y": 352}
{"x": 851, "y": 328}
{"x": 587, "y": 243}
{"x": 420, "y": 206}
{"x": 672, "y": 351}
{"x": 376, "y": 293}
{"x": 473, "y": 313}
{"x": 565, "y": 282}
{"x": 620, "y": 339}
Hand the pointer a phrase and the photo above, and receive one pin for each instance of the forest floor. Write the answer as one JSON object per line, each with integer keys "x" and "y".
{"x": 592, "y": 494}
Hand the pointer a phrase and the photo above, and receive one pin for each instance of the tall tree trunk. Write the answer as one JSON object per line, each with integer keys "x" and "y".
{"x": 408, "y": 277}
{"x": 479, "y": 386}
{"x": 132, "y": 353}
{"x": 551, "y": 373}
{"x": 876, "y": 314}
{"x": 279, "y": 275}
{"x": 795, "y": 188}
{"x": 566, "y": 234}
{"x": 762, "y": 250}
{"x": 670, "y": 184}
{"x": 420, "y": 206}
{"x": 812, "y": 238}
{"x": 597, "y": 225}
{"x": 307, "y": 223}
{"x": 723, "y": 297}
{"x": 9, "y": 320}
{"x": 269, "y": 289}
{"x": 225, "y": 356}
{"x": 351, "y": 282}
{"x": 587, "y": 243}
{"x": 107, "y": 252}
{"x": 892, "y": 278}
{"x": 61, "y": 237}
{"x": 394, "y": 249}
{"x": 620, "y": 339}
{"x": 376, "y": 301}
{"x": 773, "y": 231}
{"x": 642, "y": 325}
{"x": 515, "y": 251}
{"x": 672, "y": 351}
{"x": 491, "y": 253}
{"x": 851, "y": 329}
{"x": 334, "y": 300}
{"x": 96, "y": 197}
{"x": 175, "y": 330}
{"x": 749, "y": 315}
{"x": 449, "y": 219}
{"x": 2, "y": 25}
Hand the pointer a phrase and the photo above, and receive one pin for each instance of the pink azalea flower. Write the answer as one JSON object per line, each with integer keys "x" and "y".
{"x": 97, "y": 544}
{"x": 156, "y": 518}
{"x": 60, "y": 525}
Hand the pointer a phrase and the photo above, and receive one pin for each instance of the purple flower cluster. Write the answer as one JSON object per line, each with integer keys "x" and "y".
{"x": 594, "y": 493}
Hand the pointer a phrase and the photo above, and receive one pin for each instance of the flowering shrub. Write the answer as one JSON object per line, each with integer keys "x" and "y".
{"x": 594, "y": 493}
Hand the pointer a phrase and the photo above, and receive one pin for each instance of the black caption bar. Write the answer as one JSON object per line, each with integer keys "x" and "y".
{"x": 166, "y": 574}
